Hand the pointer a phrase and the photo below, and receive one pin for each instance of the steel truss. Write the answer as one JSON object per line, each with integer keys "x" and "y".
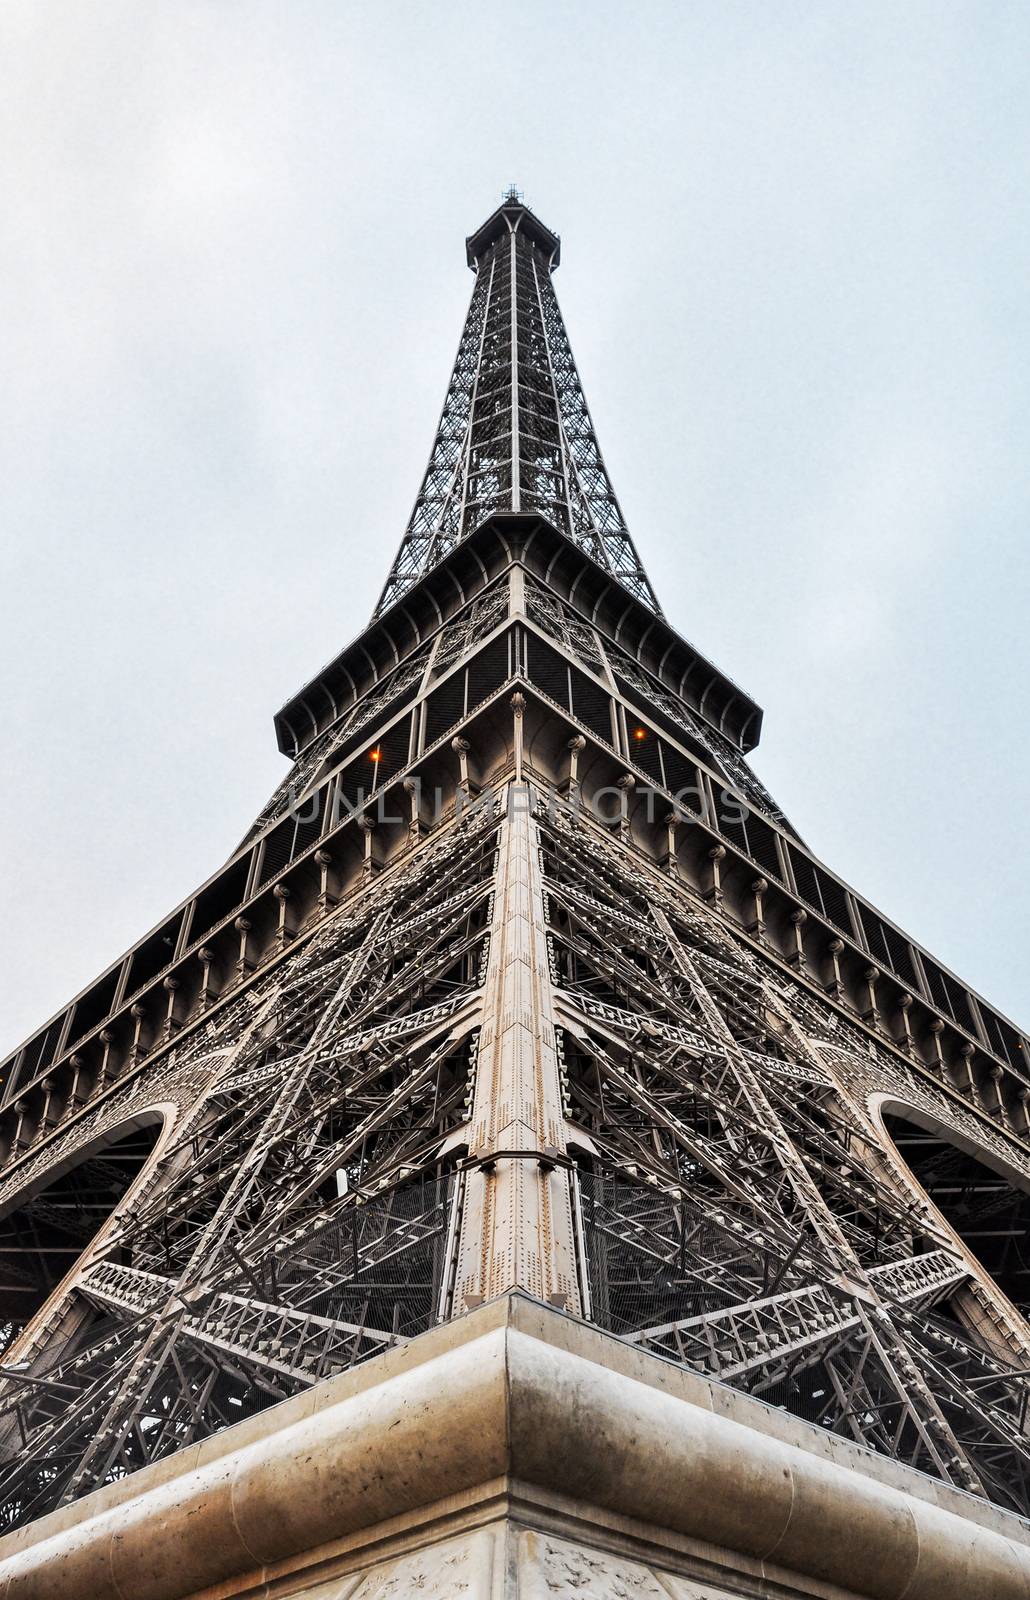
{"x": 739, "y": 1213}
{"x": 521, "y": 1054}
{"x": 515, "y": 433}
{"x": 298, "y": 1221}
{"x": 734, "y": 1211}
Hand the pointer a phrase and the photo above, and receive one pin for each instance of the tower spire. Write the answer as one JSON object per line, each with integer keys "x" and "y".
{"x": 515, "y": 433}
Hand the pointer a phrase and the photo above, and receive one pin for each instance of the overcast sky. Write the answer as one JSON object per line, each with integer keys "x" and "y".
{"x": 795, "y": 274}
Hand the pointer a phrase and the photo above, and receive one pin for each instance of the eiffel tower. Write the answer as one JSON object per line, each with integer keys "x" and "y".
{"x": 521, "y": 991}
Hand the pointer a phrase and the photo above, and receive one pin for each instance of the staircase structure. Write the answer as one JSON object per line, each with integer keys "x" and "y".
{"x": 520, "y": 985}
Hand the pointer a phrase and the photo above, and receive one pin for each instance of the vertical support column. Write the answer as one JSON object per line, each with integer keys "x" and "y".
{"x": 712, "y": 891}
{"x": 138, "y": 1013}
{"x": 871, "y": 1013}
{"x": 205, "y": 994}
{"x": 517, "y": 1226}
{"x": 756, "y": 926}
{"x": 835, "y": 949}
{"x": 171, "y": 986}
{"x": 516, "y": 449}
{"x": 906, "y": 1041}
{"x": 669, "y": 859}
{"x": 569, "y": 786}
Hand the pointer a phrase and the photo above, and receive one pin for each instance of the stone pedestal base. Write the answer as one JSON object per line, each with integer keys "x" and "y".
{"x": 518, "y": 1454}
{"x": 507, "y": 1561}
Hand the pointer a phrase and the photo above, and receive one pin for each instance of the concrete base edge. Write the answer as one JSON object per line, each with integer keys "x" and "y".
{"x": 517, "y": 1452}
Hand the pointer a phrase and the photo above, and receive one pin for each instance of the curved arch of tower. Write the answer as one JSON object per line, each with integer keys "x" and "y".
{"x": 522, "y": 984}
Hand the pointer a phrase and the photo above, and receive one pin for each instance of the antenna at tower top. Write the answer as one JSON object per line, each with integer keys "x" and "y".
{"x": 512, "y": 195}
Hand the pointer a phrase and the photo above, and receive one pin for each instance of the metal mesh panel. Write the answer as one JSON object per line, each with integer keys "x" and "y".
{"x": 224, "y": 895}
{"x": 391, "y": 749}
{"x": 648, "y": 1255}
{"x": 381, "y": 1264}
{"x": 488, "y": 670}
{"x": 445, "y": 707}
{"x": 94, "y": 1006}
{"x": 949, "y": 995}
{"x": 548, "y": 670}
{"x": 887, "y": 946}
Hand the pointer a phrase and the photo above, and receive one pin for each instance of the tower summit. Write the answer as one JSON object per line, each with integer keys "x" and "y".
{"x": 515, "y": 433}
{"x": 565, "y": 1181}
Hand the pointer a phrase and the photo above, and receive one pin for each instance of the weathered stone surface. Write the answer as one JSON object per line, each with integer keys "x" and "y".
{"x": 511, "y": 1409}
{"x": 460, "y": 1569}
{"x": 554, "y": 1569}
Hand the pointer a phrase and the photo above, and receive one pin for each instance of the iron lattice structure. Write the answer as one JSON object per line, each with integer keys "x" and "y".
{"x": 515, "y": 433}
{"x": 520, "y": 980}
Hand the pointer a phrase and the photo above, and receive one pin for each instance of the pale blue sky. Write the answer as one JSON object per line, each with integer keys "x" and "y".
{"x": 795, "y": 276}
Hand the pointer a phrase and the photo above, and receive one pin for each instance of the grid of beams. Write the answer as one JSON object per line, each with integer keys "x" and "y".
{"x": 377, "y": 1142}
{"x": 640, "y": 1063}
